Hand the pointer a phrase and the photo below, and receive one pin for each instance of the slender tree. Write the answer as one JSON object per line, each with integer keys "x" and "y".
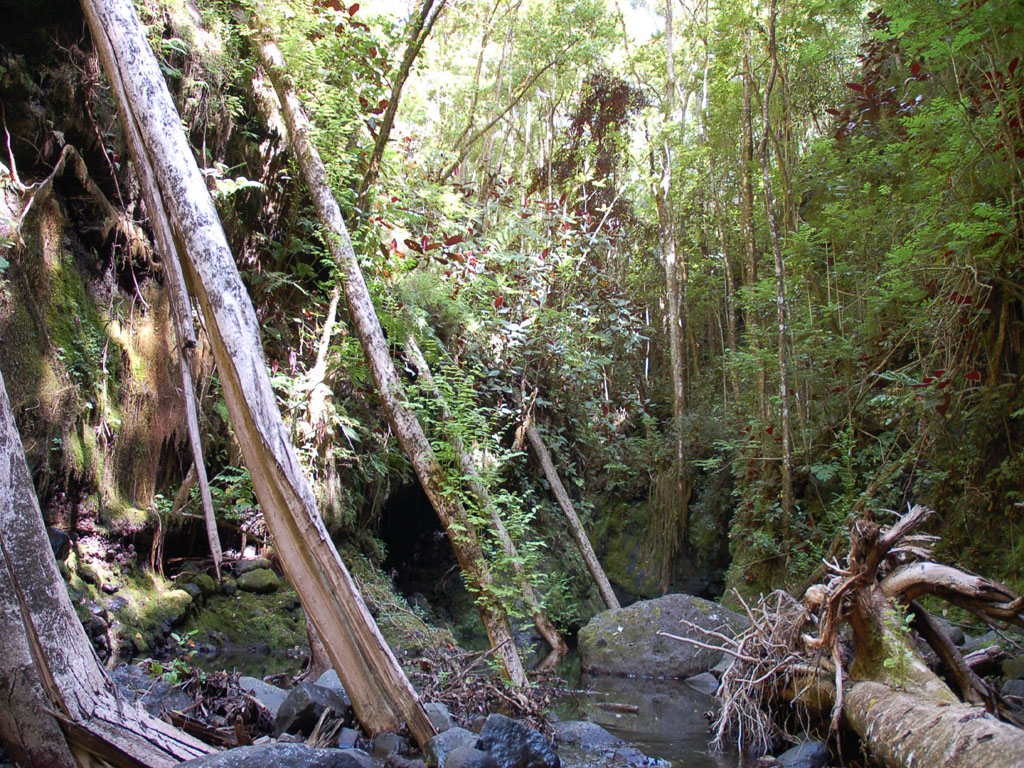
{"x": 780, "y": 280}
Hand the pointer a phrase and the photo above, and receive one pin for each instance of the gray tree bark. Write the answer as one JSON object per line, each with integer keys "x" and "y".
{"x": 57, "y": 705}
{"x": 381, "y": 694}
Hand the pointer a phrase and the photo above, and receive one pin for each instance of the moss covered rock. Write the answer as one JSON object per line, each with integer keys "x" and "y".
{"x": 262, "y": 581}
{"x": 625, "y": 641}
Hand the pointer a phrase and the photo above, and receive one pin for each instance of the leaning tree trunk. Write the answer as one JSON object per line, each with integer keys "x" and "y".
{"x": 381, "y": 694}
{"x": 483, "y": 497}
{"x": 575, "y": 526}
{"x": 57, "y": 705}
{"x": 410, "y": 433}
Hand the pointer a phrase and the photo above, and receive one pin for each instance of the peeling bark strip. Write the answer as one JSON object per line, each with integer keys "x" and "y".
{"x": 381, "y": 694}
{"x": 371, "y": 336}
{"x": 575, "y": 526}
{"x": 50, "y": 678}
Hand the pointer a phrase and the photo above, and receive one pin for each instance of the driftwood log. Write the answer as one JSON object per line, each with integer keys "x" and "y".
{"x": 793, "y": 659}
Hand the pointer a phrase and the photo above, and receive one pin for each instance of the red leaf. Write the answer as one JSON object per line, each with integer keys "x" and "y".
{"x": 450, "y": 241}
{"x": 769, "y": 430}
{"x": 855, "y": 87}
{"x": 544, "y": 253}
{"x": 944, "y": 405}
{"x": 833, "y": 112}
{"x": 373, "y": 52}
{"x": 915, "y": 68}
{"x": 431, "y": 246}
{"x": 394, "y": 244}
{"x": 498, "y": 302}
{"x": 352, "y": 9}
{"x": 939, "y": 373}
{"x": 413, "y": 245}
{"x": 973, "y": 376}
{"x": 1012, "y": 66}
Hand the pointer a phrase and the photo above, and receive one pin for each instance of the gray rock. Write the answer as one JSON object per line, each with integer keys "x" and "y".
{"x": 705, "y": 682}
{"x": 467, "y": 757}
{"x": 332, "y": 682}
{"x": 1014, "y": 688}
{"x": 228, "y": 586}
{"x": 360, "y": 759}
{"x": 722, "y": 666}
{"x": 439, "y": 716}
{"x": 810, "y": 754}
{"x": 1013, "y": 669}
{"x": 952, "y": 631}
{"x": 347, "y": 738}
{"x": 585, "y": 735}
{"x": 440, "y": 745}
{"x": 625, "y": 641}
{"x": 388, "y": 743}
{"x": 270, "y": 696}
{"x": 303, "y": 706}
{"x": 60, "y": 543}
{"x": 514, "y": 745}
{"x": 262, "y": 581}
{"x": 244, "y": 566}
{"x": 278, "y": 756}
{"x": 88, "y": 575}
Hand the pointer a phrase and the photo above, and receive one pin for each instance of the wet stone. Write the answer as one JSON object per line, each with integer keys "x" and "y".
{"x": 810, "y": 754}
{"x": 468, "y": 757}
{"x": 437, "y": 747}
{"x": 270, "y": 696}
{"x": 515, "y": 745}
{"x": 389, "y": 743}
{"x": 585, "y": 735}
{"x": 60, "y": 543}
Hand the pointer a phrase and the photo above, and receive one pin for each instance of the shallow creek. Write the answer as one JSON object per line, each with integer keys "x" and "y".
{"x": 663, "y": 718}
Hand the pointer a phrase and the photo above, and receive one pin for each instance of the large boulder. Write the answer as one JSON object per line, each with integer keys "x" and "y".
{"x": 301, "y": 710}
{"x": 625, "y": 641}
{"x": 515, "y": 745}
{"x": 277, "y": 756}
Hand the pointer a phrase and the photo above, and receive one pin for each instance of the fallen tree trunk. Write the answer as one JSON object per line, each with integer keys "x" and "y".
{"x": 381, "y": 694}
{"x": 905, "y": 715}
{"x": 409, "y": 431}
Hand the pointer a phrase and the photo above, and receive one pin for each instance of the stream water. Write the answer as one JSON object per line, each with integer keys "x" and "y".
{"x": 663, "y": 718}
